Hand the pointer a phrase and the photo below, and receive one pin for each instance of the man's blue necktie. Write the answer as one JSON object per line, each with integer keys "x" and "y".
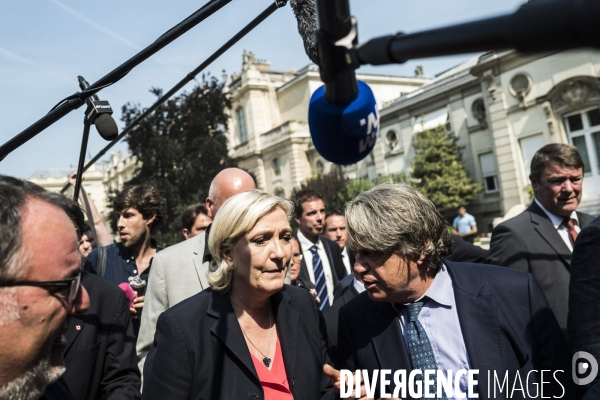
{"x": 320, "y": 283}
{"x": 419, "y": 347}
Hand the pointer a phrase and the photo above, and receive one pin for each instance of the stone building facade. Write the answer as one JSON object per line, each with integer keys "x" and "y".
{"x": 268, "y": 131}
{"x": 504, "y": 106}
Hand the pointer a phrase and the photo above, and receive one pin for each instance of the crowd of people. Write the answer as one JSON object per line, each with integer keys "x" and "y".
{"x": 244, "y": 307}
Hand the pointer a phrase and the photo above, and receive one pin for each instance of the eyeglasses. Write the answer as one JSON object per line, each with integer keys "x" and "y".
{"x": 297, "y": 256}
{"x": 67, "y": 289}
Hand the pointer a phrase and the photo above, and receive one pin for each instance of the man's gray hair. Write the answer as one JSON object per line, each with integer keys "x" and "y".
{"x": 14, "y": 258}
{"x": 14, "y": 193}
{"x": 395, "y": 218}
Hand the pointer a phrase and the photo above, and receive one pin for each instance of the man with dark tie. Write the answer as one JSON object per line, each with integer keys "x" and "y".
{"x": 540, "y": 239}
{"x": 422, "y": 313}
{"x": 322, "y": 262}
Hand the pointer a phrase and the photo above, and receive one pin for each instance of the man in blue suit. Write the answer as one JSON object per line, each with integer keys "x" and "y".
{"x": 420, "y": 312}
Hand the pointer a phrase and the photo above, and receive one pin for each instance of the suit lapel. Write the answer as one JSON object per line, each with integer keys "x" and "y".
{"x": 227, "y": 329}
{"x": 548, "y": 232}
{"x": 287, "y": 328}
{"x": 387, "y": 337}
{"x": 584, "y": 219}
{"x": 334, "y": 274}
{"x": 303, "y": 275}
{"x": 75, "y": 328}
{"x": 350, "y": 293}
{"x": 478, "y": 320}
{"x": 198, "y": 256}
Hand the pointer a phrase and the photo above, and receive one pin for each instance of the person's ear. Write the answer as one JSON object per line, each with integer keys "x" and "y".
{"x": 297, "y": 219}
{"x": 209, "y": 205}
{"x": 226, "y": 252}
{"x": 186, "y": 234}
{"x": 151, "y": 220}
{"x": 421, "y": 258}
{"x": 534, "y": 182}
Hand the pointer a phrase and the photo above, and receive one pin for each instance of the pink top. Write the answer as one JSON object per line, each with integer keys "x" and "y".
{"x": 274, "y": 381}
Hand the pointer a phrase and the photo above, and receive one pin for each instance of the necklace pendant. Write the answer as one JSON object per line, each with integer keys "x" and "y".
{"x": 266, "y": 361}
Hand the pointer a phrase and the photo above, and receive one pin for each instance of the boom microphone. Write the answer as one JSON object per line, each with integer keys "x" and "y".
{"x": 306, "y": 15}
{"x": 342, "y": 115}
{"x": 99, "y": 113}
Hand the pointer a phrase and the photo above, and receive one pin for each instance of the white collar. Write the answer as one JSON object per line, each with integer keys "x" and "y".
{"x": 345, "y": 252}
{"x": 306, "y": 244}
{"x": 555, "y": 219}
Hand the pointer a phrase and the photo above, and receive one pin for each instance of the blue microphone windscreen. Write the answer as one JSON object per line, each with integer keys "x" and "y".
{"x": 344, "y": 134}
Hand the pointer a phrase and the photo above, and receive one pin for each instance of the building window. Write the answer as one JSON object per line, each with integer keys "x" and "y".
{"x": 529, "y": 146}
{"x": 583, "y": 130}
{"x": 488, "y": 170}
{"x": 392, "y": 140}
{"x": 479, "y": 112}
{"x": 433, "y": 120}
{"x": 448, "y": 125}
{"x": 241, "y": 119}
{"x": 279, "y": 192}
{"x": 320, "y": 167}
{"x": 277, "y": 166}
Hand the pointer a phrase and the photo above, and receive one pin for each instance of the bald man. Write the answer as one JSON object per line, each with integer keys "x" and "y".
{"x": 179, "y": 271}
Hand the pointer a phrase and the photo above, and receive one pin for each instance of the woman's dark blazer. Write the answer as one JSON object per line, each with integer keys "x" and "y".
{"x": 199, "y": 350}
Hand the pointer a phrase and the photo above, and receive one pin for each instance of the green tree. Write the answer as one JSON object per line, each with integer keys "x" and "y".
{"x": 181, "y": 147}
{"x": 337, "y": 189}
{"x": 439, "y": 172}
{"x": 331, "y": 186}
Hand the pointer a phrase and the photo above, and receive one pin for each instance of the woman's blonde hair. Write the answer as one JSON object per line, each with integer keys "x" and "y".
{"x": 235, "y": 218}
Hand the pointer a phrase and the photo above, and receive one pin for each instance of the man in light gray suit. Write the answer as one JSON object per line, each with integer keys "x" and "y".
{"x": 179, "y": 272}
{"x": 540, "y": 240}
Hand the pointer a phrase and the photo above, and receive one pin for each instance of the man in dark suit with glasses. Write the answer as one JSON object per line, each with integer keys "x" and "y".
{"x": 39, "y": 287}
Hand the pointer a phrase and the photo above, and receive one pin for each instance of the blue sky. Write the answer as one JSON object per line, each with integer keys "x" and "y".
{"x": 45, "y": 44}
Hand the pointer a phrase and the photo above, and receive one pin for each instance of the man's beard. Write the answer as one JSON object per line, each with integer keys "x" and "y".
{"x": 135, "y": 241}
{"x": 31, "y": 385}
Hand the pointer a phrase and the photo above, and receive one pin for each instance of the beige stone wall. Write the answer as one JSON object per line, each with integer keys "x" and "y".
{"x": 511, "y": 117}
{"x": 276, "y": 113}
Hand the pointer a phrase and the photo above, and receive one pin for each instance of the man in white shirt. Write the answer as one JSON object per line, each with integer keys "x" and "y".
{"x": 322, "y": 262}
{"x": 540, "y": 240}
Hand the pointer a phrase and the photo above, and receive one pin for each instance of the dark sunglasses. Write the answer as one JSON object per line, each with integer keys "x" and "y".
{"x": 66, "y": 289}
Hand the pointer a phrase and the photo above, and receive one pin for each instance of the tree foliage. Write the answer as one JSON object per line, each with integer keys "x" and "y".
{"x": 331, "y": 186}
{"x": 439, "y": 172}
{"x": 180, "y": 148}
{"x": 337, "y": 190}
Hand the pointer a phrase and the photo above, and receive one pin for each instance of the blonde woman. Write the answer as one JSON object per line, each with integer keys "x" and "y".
{"x": 249, "y": 335}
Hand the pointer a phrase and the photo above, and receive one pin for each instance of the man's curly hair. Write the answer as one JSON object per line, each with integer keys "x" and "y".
{"x": 143, "y": 198}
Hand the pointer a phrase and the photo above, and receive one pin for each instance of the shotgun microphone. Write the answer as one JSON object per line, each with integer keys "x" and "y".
{"x": 99, "y": 113}
{"x": 306, "y": 15}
